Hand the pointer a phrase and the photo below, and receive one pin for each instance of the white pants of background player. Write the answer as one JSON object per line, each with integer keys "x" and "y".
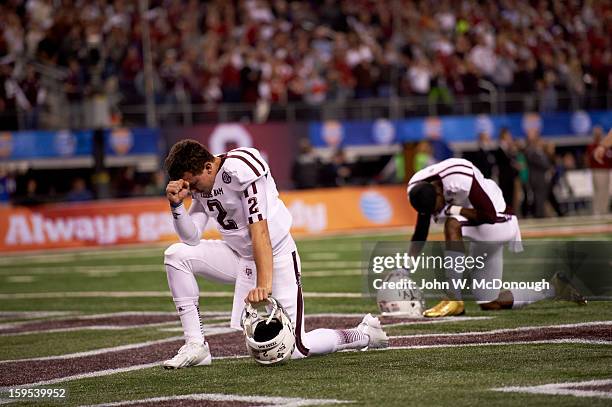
{"x": 216, "y": 261}
{"x": 488, "y": 240}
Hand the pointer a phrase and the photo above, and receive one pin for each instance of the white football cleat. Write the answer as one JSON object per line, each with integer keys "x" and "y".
{"x": 377, "y": 338}
{"x": 190, "y": 354}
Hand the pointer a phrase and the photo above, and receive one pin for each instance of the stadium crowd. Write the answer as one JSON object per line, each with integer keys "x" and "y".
{"x": 311, "y": 51}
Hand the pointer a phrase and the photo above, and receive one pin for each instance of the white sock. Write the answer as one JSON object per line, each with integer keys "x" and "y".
{"x": 189, "y": 312}
{"x": 185, "y": 293}
{"x": 524, "y": 297}
{"x": 453, "y": 277}
{"x": 323, "y": 341}
{"x": 351, "y": 339}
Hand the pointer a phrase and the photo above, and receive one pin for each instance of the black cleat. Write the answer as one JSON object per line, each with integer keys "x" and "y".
{"x": 565, "y": 290}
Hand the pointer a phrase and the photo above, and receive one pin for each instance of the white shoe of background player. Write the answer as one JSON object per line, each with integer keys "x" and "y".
{"x": 371, "y": 327}
{"x": 190, "y": 354}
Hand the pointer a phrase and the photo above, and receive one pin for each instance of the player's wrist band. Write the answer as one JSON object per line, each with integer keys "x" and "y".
{"x": 454, "y": 210}
{"x": 174, "y": 206}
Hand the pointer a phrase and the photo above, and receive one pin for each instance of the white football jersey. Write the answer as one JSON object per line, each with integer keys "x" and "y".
{"x": 462, "y": 183}
{"x": 244, "y": 192}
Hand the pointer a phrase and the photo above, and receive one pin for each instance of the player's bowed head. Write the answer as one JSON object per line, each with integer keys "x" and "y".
{"x": 426, "y": 197}
{"x": 191, "y": 167}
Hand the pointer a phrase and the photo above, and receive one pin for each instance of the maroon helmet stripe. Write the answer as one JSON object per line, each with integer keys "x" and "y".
{"x": 439, "y": 173}
{"x": 428, "y": 179}
{"x": 456, "y": 172}
{"x": 455, "y": 165}
{"x": 263, "y": 167}
{"x": 300, "y": 309}
{"x": 251, "y": 166}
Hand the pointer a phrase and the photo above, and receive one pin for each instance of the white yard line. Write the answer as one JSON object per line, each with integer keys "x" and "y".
{"x": 94, "y": 328}
{"x": 562, "y": 389}
{"x": 534, "y": 342}
{"x": 33, "y": 314}
{"x": 83, "y": 376}
{"x": 39, "y": 316}
{"x": 90, "y": 270}
{"x": 331, "y": 273}
{"x": 271, "y": 401}
{"x": 500, "y": 331}
{"x": 320, "y": 256}
{"x": 75, "y": 254}
{"x": 331, "y": 264}
{"x": 205, "y": 314}
{"x": 96, "y": 352}
{"x": 429, "y": 321}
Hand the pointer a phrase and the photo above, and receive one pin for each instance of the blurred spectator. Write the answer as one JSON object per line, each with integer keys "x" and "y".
{"x": 600, "y": 172}
{"x": 336, "y": 172}
{"x": 539, "y": 165}
{"x": 34, "y": 97}
{"x": 523, "y": 173}
{"x": 556, "y": 173}
{"x": 423, "y": 156}
{"x": 484, "y": 159}
{"x": 505, "y": 156}
{"x": 548, "y": 92}
{"x": 31, "y": 196}
{"x": 7, "y": 186}
{"x": 125, "y": 183}
{"x": 394, "y": 172}
{"x": 157, "y": 184}
{"x": 8, "y": 99}
{"x": 74, "y": 86}
{"x": 305, "y": 170}
{"x": 79, "y": 191}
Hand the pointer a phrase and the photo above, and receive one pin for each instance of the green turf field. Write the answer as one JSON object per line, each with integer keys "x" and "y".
{"x": 131, "y": 282}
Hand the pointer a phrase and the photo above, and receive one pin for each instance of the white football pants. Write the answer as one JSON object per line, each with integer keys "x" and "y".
{"x": 215, "y": 260}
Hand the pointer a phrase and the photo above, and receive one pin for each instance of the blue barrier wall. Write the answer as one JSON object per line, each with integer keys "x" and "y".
{"x": 453, "y": 128}
{"x": 28, "y": 145}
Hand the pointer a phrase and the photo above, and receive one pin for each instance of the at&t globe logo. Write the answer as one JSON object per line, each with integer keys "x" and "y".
{"x": 375, "y": 207}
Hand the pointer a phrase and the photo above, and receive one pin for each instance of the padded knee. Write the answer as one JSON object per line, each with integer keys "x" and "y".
{"x": 174, "y": 255}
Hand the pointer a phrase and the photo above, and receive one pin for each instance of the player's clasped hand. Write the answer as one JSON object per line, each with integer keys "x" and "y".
{"x": 257, "y": 294}
{"x": 176, "y": 191}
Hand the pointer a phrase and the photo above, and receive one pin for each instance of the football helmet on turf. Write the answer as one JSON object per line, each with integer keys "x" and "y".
{"x": 269, "y": 335}
{"x": 404, "y": 301}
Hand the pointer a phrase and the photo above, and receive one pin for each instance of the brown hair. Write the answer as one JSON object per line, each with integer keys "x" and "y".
{"x": 187, "y": 156}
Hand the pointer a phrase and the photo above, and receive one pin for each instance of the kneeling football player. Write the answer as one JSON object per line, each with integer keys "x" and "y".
{"x": 257, "y": 254}
{"x": 456, "y": 193}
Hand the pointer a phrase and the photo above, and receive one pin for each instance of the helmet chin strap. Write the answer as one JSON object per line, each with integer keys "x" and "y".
{"x": 274, "y": 304}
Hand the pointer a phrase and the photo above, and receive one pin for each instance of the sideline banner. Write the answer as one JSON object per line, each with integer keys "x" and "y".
{"x": 338, "y": 209}
{"x": 105, "y": 223}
